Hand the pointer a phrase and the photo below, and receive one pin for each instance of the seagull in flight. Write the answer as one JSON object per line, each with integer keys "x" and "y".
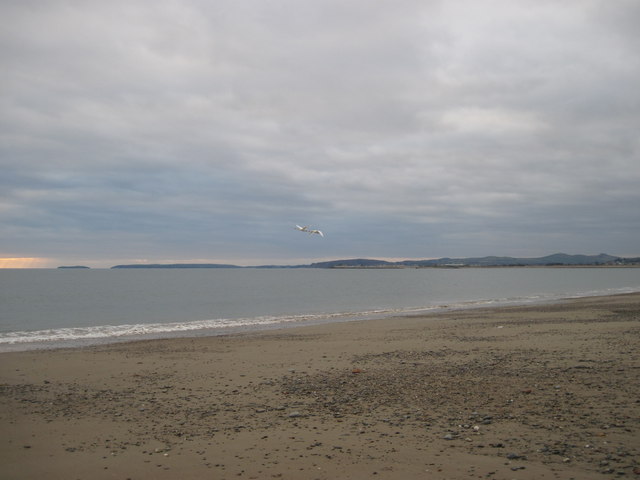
{"x": 308, "y": 230}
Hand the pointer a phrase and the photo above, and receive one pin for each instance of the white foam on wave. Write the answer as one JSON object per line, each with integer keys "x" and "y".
{"x": 133, "y": 331}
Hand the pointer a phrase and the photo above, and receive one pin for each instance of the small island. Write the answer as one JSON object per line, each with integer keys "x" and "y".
{"x": 73, "y": 266}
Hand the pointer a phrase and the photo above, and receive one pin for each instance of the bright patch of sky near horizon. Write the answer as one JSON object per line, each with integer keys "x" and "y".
{"x": 176, "y": 131}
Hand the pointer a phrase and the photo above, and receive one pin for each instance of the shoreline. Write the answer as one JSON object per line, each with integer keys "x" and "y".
{"x": 530, "y": 391}
{"x": 103, "y": 335}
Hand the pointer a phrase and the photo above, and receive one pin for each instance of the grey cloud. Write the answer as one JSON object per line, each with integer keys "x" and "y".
{"x": 211, "y": 127}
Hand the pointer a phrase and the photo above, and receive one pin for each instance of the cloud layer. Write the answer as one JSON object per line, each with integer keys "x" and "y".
{"x": 184, "y": 130}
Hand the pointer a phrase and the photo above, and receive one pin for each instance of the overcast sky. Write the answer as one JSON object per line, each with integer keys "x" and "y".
{"x": 204, "y": 130}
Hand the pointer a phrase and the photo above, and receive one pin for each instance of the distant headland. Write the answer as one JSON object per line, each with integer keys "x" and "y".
{"x": 555, "y": 260}
{"x": 177, "y": 265}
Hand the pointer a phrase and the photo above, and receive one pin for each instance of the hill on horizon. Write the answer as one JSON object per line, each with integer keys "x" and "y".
{"x": 489, "y": 261}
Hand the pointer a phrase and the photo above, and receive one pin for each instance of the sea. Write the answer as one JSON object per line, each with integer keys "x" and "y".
{"x": 55, "y": 308}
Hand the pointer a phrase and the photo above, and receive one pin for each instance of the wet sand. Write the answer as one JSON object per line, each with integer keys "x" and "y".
{"x": 535, "y": 392}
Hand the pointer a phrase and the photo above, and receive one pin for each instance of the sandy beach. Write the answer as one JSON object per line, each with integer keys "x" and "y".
{"x": 533, "y": 392}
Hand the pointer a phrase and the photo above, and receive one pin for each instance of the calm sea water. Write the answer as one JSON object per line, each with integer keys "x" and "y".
{"x": 53, "y": 308}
